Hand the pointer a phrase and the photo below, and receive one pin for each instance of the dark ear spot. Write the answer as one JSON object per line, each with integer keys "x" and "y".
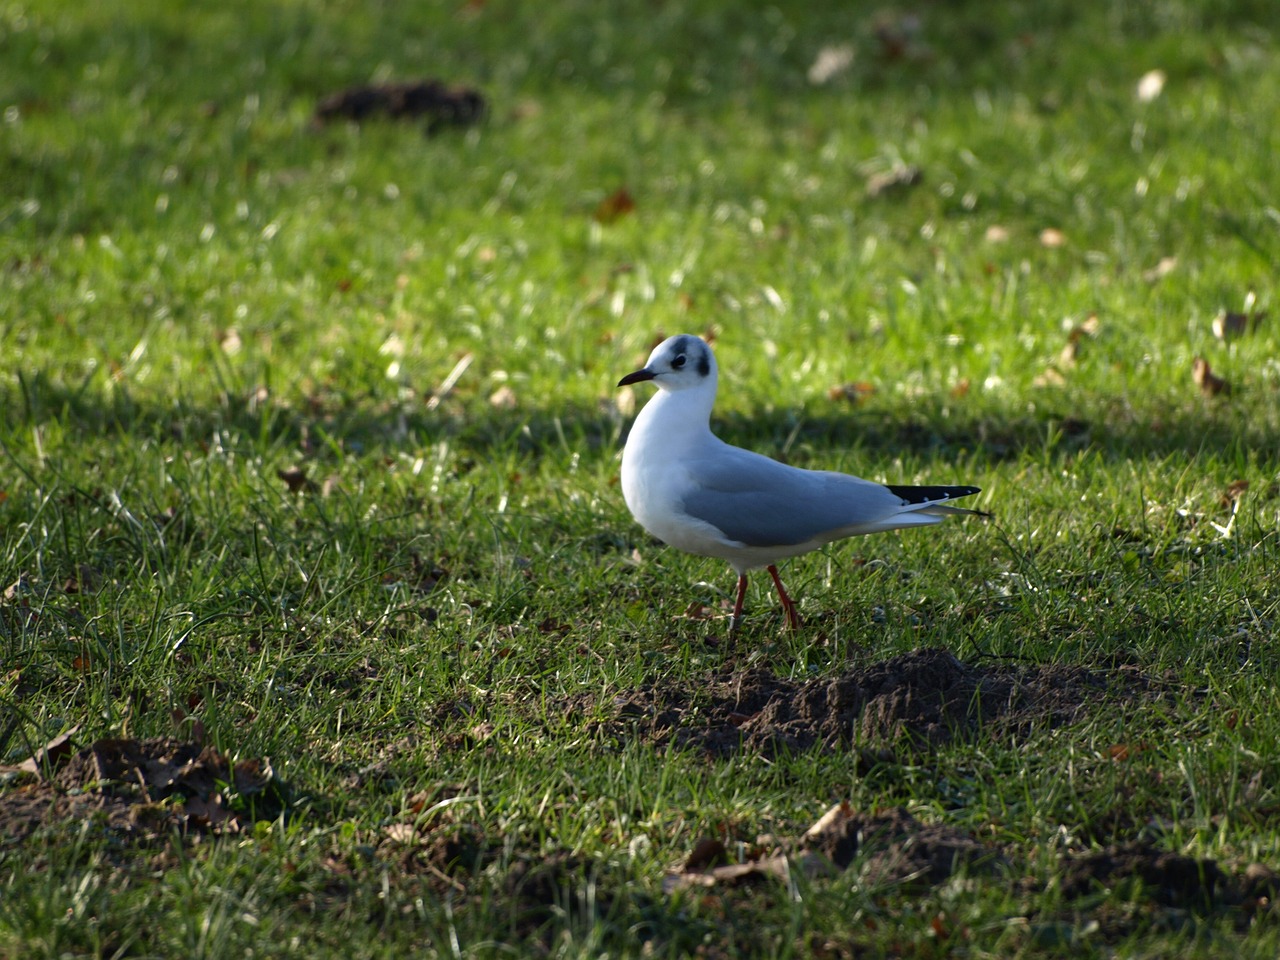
{"x": 704, "y": 363}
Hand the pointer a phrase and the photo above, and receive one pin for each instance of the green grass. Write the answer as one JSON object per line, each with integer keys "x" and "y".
{"x": 199, "y": 289}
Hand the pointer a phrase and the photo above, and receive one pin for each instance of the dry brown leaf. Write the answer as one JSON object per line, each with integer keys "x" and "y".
{"x": 731, "y": 874}
{"x": 1161, "y": 270}
{"x": 1210, "y": 384}
{"x": 899, "y": 178}
{"x": 853, "y": 392}
{"x": 401, "y": 832}
{"x": 1050, "y": 378}
{"x": 833, "y": 816}
{"x": 20, "y": 589}
{"x": 1228, "y": 325}
{"x": 1067, "y": 357}
{"x": 504, "y": 398}
{"x": 1052, "y": 238}
{"x": 706, "y": 853}
{"x": 1121, "y": 752}
{"x": 1234, "y": 492}
{"x": 296, "y": 480}
{"x": 210, "y": 812}
{"x": 699, "y": 611}
{"x": 251, "y": 776}
{"x": 1086, "y": 328}
{"x": 961, "y": 389}
{"x": 615, "y": 206}
{"x": 830, "y": 62}
{"x": 52, "y": 755}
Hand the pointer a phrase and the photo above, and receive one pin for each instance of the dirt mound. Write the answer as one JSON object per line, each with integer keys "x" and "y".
{"x": 440, "y": 104}
{"x": 921, "y": 699}
{"x": 1170, "y": 879}
{"x": 144, "y": 787}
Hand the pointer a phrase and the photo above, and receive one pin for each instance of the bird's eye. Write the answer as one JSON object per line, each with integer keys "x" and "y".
{"x": 678, "y": 362}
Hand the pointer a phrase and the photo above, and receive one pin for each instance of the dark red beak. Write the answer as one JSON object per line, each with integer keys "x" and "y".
{"x": 638, "y": 377}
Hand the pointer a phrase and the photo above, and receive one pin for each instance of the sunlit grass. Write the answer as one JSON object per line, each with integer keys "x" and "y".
{"x": 201, "y": 290}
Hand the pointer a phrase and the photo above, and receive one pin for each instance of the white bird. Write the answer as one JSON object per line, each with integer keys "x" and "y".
{"x": 693, "y": 491}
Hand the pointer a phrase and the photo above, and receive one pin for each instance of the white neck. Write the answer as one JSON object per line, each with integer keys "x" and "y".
{"x": 674, "y": 419}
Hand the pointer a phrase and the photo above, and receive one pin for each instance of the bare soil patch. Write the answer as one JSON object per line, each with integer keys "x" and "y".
{"x": 143, "y": 789}
{"x": 917, "y": 701}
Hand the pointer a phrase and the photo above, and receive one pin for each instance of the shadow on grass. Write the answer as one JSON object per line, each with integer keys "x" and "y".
{"x": 929, "y": 430}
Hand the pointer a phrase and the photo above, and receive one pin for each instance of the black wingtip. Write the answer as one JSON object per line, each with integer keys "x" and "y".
{"x": 932, "y": 494}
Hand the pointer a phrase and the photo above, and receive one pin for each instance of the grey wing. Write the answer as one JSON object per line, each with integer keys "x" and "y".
{"x": 763, "y": 503}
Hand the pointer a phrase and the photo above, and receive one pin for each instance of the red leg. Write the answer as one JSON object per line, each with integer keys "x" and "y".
{"x": 737, "y": 607}
{"x": 793, "y": 618}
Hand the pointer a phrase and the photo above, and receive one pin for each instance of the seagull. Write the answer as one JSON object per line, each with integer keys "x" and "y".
{"x": 699, "y": 494}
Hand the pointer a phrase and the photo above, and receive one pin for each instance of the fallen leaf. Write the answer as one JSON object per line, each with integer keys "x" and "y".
{"x": 20, "y": 589}
{"x": 706, "y": 853}
{"x": 1052, "y": 238}
{"x": 1234, "y": 492}
{"x": 853, "y": 392}
{"x": 960, "y": 390}
{"x": 1228, "y": 325}
{"x": 52, "y": 755}
{"x": 210, "y": 811}
{"x": 899, "y": 36}
{"x": 401, "y": 832}
{"x": 830, "y": 62}
{"x": 615, "y": 206}
{"x": 229, "y": 340}
{"x": 504, "y": 398}
{"x": 251, "y": 776}
{"x": 731, "y": 874}
{"x": 296, "y": 480}
{"x": 1087, "y": 327}
{"x": 831, "y": 818}
{"x": 996, "y": 234}
{"x": 1050, "y": 378}
{"x": 1161, "y": 270}
{"x": 1210, "y": 384}
{"x": 699, "y": 611}
{"x": 1121, "y": 752}
{"x": 1151, "y": 85}
{"x": 899, "y": 178}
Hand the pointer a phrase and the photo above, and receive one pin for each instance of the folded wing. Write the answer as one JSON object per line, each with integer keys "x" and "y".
{"x": 763, "y": 503}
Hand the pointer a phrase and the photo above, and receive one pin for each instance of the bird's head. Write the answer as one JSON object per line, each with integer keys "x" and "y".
{"x": 682, "y": 362}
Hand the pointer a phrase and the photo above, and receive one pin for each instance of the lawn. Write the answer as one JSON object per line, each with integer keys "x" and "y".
{"x": 325, "y": 631}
